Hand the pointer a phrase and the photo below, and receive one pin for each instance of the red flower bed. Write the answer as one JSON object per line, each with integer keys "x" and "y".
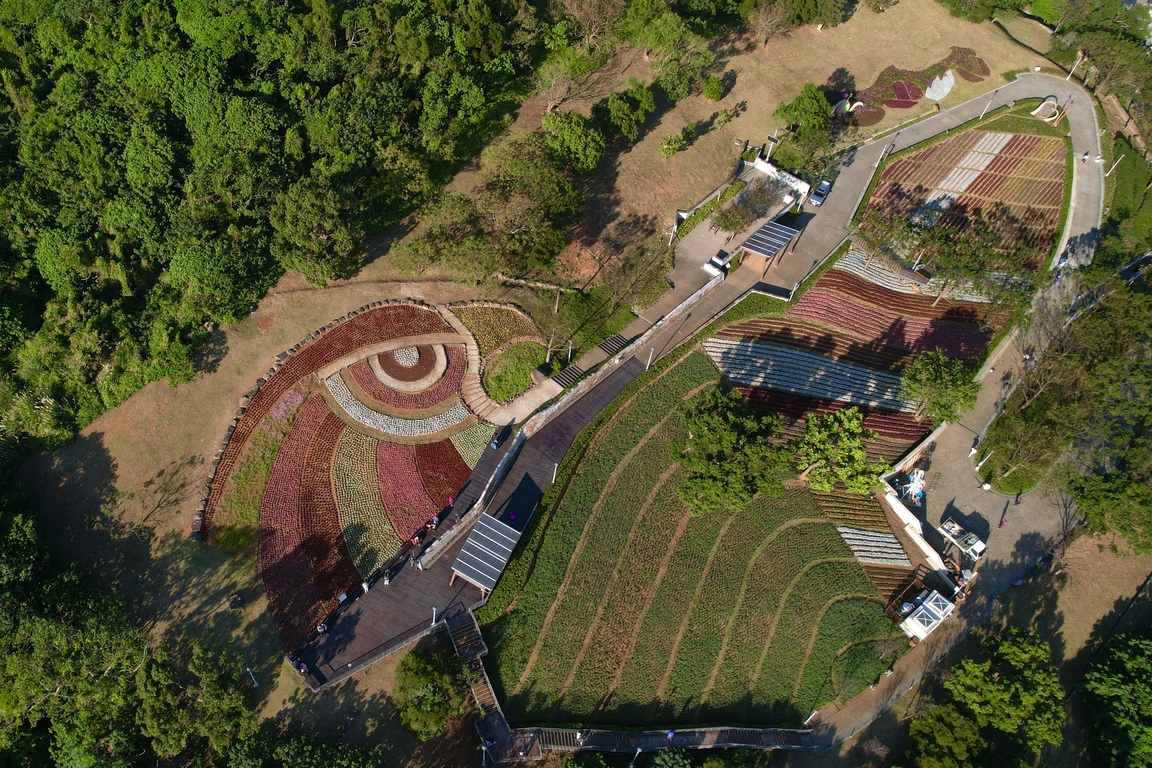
{"x": 328, "y": 558}
{"x": 893, "y": 425}
{"x": 401, "y": 489}
{"x": 1020, "y": 145}
{"x": 442, "y": 471}
{"x": 425, "y": 362}
{"x": 448, "y": 384}
{"x": 890, "y": 328}
{"x": 899, "y": 103}
{"x": 375, "y": 325}
{"x": 292, "y": 593}
{"x": 906, "y": 304}
{"x": 821, "y": 340}
{"x": 906, "y": 91}
{"x": 969, "y": 76}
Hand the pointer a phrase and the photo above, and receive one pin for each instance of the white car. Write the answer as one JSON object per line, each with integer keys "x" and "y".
{"x": 821, "y": 193}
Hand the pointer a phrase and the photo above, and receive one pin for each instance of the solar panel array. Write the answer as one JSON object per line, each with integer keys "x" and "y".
{"x": 769, "y": 239}
{"x": 486, "y": 552}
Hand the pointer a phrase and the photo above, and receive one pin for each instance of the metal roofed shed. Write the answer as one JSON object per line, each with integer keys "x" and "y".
{"x": 926, "y": 614}
{"x": 768, "y": 242}
{"x": 485, "y": 553}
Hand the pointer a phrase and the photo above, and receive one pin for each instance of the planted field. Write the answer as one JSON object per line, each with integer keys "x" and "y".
{"x": 638, "y": 612}
{"x": 493, "y": 327}
{"x": 978, "y": 170}
{"x": 833, "y": 343}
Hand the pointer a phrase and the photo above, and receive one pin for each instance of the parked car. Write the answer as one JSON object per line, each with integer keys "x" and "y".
{"x": 821, "y": 193}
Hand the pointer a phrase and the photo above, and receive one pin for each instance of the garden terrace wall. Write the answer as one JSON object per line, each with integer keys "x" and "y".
{"x": 369, "y": 323}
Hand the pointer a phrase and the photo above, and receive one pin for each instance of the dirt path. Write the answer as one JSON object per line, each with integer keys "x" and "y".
{"x": 740, "y": 598}
{"x": 663, "y": 687}
{"x": 593, "y": 516}
{"x": 593, "y": 625}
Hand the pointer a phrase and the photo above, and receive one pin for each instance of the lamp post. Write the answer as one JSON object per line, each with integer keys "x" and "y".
{"x": 989, "y": 104}
{"x": 1114, "y": 165}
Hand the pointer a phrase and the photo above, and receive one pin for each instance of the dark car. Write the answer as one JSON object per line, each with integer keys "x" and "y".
{"x": 821, "y": 193}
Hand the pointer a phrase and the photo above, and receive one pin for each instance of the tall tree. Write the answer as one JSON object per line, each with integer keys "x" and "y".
{"x": 943, "y": 386}
{"x": 832, "y": 451}
{"x": 1119, "y": 694}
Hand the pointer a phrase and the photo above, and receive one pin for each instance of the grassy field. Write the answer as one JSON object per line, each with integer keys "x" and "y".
{"x": 637, "y": 612}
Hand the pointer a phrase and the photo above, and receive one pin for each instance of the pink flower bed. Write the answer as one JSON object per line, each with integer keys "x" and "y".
{"x": 292, "y": 594}
{"x": 401, "y": 488}
{"x": 899, "y": 103}
{"x": 448, "y": 384}
{"x": 442, "y": 471}
{"x": 328, "y": 559}
{"x": 375, "y": 325}
{"x": 891, "y": 328}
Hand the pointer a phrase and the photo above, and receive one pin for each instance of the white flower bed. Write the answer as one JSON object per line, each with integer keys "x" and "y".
{"x": 407, "y": 357}
{"x": 941, "y": 86}
{"x": 391, "y": 424}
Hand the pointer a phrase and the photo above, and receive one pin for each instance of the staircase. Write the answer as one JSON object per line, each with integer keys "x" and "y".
{"x": 465, "y": 635}
{"x": 569, "y": 376}
{"x": 613, "y": 344}
{"x": 481, "y": 688}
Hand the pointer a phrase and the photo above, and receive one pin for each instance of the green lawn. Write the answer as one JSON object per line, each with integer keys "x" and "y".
{"x": 511, "y": 372}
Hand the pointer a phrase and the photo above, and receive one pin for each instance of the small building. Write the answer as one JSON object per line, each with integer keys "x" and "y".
{"x": 924, "y": 614}
{"x": 767, "y": 245}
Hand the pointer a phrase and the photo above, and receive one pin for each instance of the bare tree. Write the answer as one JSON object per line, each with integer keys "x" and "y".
{"x": 767, "y": 19}
{"x": 555, "y": 85}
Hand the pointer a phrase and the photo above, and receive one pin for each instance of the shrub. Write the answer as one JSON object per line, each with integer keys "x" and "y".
{"x": 427, "y": 693}
{"x": 713, "y": 89}
{"x": 672, "y": 143}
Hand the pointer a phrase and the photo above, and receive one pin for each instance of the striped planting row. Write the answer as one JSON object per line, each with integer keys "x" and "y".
{"x": 921, "y": 307}
{"x": 366, "y": 379}
{"x": 821, "y": 340}
{"x": 284, "y": 571}
{"x": 881, "y": 548}
{"x": 402, "y": 491}
{"x": 442, "y": 472}
{"x": 368, "y": 533}
{"x": 328, "y": 559}
{"x": 767, "y": 365}
{"x": 890, "y": 328}
{"x": 898, "y": 426}
{"x": 880, "y": 271}
{"x": 393, "y": 425}
{"x": 853, "y": 510}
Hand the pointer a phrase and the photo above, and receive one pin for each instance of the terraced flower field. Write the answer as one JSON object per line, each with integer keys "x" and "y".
{"x": 359, "y": 464}
{"x": 638, "y": 612}
{"x": 977, "y": 169}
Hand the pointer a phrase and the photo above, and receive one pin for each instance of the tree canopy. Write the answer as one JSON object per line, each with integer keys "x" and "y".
{"x": 942, "y": 385}
{"x": 428, "y": 692}
{"x": 1119, "y": 695}
{"x": 832, "y": 451}
{"x": 729, "y": 453}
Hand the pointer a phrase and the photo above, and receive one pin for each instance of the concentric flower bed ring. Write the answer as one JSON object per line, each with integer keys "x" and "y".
{"x": 401, "y": 369}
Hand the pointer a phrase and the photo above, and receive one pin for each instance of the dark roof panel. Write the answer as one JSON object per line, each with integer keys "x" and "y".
{"x": 486, "y": 552}
{"x": 769, "y": 239}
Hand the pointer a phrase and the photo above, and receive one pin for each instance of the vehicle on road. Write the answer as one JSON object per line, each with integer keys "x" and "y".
{"x": 821, "y": 192}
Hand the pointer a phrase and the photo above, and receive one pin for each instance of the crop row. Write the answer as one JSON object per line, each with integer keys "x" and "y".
{"x": 332, "y": 568}
{"x": 609, "y": 447}
{"x": 891, "y": 328}
{"x": 858, "y": 511}
{"x": 378, "y": 324}
{"x": 604, "y": 538}
{"x": 850, "y": 622}
{"x": 836, "y": 344}
{"x": 700, "y": 644}
{"x": 493, "y": 327}
{"x": 629, "y": 586}
{"x": 401, "y": 488}
{"x": 771, "y": 571}
{"x": 922, "y": 307}
{"x": 442, "y": 472}
{"x": 472, "y": 442}
{"x": 368, "y": 534}
{"x": 284, "y": 570}
{"x": 785, "y": 654}
{"x": 393, "y": 425}
{"x": 895, "y": 425}
{"x": 444, "y": 388}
